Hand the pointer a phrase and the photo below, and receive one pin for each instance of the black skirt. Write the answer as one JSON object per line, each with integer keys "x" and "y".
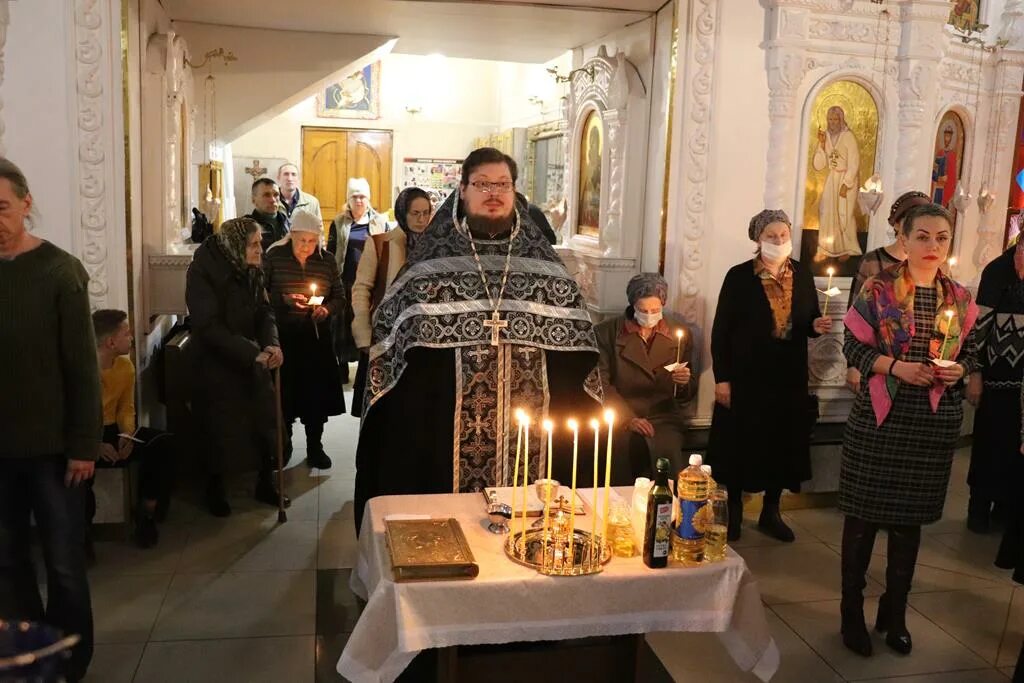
{"x": 311, "y": 384}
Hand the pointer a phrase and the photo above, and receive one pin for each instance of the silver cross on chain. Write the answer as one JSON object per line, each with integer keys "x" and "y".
{"x": 496, "y": 324}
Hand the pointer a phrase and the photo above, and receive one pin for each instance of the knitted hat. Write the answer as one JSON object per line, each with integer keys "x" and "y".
{"x": 762, "y": 220}
{"x": 358, "y": 186}
{"x": 304, "y": 221}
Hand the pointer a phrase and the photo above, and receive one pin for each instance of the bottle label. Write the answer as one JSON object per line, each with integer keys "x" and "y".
{"x": 662, "y": 530}
{"x": 692, "y": 523}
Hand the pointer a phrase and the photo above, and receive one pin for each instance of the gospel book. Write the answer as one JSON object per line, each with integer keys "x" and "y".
{"x": 429, "y": 550}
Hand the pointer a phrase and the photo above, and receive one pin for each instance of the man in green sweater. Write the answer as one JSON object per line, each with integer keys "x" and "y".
{"x": 50, "y": 422}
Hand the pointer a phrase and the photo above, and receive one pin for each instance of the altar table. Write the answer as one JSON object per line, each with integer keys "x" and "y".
{"x": 510, "y": 603}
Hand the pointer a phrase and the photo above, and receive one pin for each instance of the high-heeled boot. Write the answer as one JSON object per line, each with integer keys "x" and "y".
{"x": 904, "y": 542}
{"x": 858, "y": 541}
{"x": 771, "y": 521}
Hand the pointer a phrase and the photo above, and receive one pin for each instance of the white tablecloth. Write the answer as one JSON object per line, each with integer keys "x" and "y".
{"x": 509, "y": 603}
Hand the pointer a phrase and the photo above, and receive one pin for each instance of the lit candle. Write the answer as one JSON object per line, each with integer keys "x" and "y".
{"x": 596, "y": 426}
{"x": 515, "y": 472}
{"x": 312, "y": 288}
{"x": 952, "y": 265}
{"x": 679, "y": 345}
{"x": 575, "y": 427}
{"x": 526, "y": 474}
{"x": 949, "y": 323}
{"x": 609, "y": 418}
{"x": 549, "y": 427}
{"x": 831, "y": 271}
{"x": 316, "y": 330}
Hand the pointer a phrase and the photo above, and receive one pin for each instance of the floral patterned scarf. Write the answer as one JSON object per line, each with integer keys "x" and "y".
{"x": 882, "y": 316}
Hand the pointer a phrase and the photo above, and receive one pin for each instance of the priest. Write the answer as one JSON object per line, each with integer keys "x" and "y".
{"x": 483, "y": 320}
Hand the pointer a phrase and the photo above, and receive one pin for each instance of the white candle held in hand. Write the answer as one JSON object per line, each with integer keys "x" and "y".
{"x": 831, "y": 271}
{"x": 945, "y": 340}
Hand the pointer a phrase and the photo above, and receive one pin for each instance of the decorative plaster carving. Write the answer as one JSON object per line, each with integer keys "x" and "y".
{"x": 5, "y": 20}
{"x": 94, "y": 116}
{"x": 840, "y": 30}
{"x": 697, "y": 101}
{"x": 825, "y": 361}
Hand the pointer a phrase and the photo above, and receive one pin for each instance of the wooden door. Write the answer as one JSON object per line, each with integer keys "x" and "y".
{"x": 330, "y": 156}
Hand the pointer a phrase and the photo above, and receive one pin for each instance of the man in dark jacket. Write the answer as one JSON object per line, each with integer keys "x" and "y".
{"x": 274, "y": 224}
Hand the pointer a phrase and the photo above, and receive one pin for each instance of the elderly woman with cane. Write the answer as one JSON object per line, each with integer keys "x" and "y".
{"x": 234, "y": 349}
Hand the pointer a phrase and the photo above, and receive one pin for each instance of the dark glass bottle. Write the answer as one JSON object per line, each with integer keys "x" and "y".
{"x": 658, "y": 529}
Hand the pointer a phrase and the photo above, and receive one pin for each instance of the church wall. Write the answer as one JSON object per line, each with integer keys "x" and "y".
{"x": 520, "y": 82}
{"x": 445, "y": 128}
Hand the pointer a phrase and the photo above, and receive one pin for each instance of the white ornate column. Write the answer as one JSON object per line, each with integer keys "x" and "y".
{"x": 5, "y": 20}
{"x": 99, "y": 206}
{"x": 920, "y": 51}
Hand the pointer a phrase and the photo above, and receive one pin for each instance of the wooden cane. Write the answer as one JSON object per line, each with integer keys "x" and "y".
{"x": 282, "y": 516}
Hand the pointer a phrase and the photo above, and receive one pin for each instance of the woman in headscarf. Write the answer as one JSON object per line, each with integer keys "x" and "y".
{"x": 297, "y": 269}
{"x": 767, "y": 309}
{"x": 877, "y": 260}
{"x": 377, "y": 269}
{"x": 910, "y": 334}
{"x": 648, "y": 399}
{"x": 234, "y": 347}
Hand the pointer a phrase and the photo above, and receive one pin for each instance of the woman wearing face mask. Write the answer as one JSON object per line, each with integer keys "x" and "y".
{"x": 767, "y": 309}
{"x": 377, "y": 269}
{"x": 902, "y": 430}
{"x": 648, "y": 399}
{"x": 877, "y": 260}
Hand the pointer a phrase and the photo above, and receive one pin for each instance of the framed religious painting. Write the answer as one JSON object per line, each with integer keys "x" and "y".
{"x": 357, "y": 96}
{"x": 591, "y": 152}
{"x": 964, "y": 15}
{"x": 948, "y": 160}
{"x": 842, "y": 137}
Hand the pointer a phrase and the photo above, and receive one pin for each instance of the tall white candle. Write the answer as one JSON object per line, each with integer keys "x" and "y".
{"x": 515, "y": 472}
{"x": 526, "y": 475}
{"x": 609, "y": 418}
{"x": 549, "y": 427}
{"x": 596, "y": 426}
{"x": 831, "y": 271}
{"x": 575, "y": 427}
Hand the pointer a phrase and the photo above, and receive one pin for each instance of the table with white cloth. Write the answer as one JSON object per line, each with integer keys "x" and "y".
{"x": 510, "y": 603}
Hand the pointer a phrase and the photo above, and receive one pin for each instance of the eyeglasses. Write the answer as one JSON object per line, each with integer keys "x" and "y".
{"x": 420, "y": 214}
{"x": 503, "y": 187}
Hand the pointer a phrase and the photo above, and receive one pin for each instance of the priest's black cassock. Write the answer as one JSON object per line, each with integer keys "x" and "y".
{"x": 440, "y": 395}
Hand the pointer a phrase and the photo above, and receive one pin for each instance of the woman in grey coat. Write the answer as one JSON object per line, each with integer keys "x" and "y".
{"x": 648, "y": 399}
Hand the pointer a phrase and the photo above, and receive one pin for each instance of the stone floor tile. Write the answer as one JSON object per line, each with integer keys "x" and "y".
{"x": 114, "y": 662}
{"x": 252, "y": 660}
{"x": 126, "y": 607}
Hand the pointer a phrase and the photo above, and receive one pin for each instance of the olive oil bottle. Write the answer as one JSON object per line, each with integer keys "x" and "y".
{"x": 658, "y": 530}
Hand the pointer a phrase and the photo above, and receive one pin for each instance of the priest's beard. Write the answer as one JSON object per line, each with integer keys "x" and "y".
{"x": 485, "y": 227}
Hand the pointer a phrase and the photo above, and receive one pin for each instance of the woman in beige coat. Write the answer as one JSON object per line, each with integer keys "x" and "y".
{"x": 377, "y": 270}
{"x": 648, "y": 399}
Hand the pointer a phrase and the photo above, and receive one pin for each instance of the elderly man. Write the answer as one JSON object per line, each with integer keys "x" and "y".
{"x": 483, "y": 319}
{"x": 637, "y": 348}
{"x": 273, "y": 221}
{"x": 292, "y": 197}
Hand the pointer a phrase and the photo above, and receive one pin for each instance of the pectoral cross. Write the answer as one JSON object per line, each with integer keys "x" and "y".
{"x": 497, "y": 325}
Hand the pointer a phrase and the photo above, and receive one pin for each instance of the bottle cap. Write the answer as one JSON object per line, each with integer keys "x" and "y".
{"x": 696, "y": 460}
{"x": 663, "y": 464}
{"x": 706, "y": 469}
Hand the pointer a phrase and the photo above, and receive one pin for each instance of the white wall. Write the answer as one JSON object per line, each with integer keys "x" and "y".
{"x": 39, "y": 119}
{"x": 461, "y": 99}
{"x": 520, "y": 82}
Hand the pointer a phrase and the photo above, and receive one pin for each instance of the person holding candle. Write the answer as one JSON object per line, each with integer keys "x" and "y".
{"x": 877, "y": 260}
{"x": 649, "y": 400}
{"x": 995, "y": 471}
{"x": 901, "y": 433}
{"x": 760, "y": 438}
{"x": 377, "y": 269}
{"x": 311, "y": 389}
{"x": 233, "y": 349}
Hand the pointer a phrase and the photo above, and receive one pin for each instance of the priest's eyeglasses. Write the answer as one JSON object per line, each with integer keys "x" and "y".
{"x": 503, "y": 187}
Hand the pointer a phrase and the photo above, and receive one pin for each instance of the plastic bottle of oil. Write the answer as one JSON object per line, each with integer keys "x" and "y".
{"x": 688, "y": 539}
{"x": 718, "y": 520}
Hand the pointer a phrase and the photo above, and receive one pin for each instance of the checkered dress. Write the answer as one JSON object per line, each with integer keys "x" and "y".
{"x": 898, "y": 473}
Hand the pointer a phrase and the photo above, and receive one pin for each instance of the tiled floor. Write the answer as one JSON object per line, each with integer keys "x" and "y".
{"x": 243, "y": 599}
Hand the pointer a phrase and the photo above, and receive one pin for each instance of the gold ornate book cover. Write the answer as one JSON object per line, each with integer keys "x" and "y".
{"x": 429, "y": 549}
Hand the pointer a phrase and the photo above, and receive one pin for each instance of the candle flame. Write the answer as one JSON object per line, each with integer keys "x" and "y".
{"x": 949, "y": 314}
{"x": 594, "y": 424}
{"x": 952, "y": 261}
{"x": 679, "y": 333}
{"x": 520, "y": 415}
{"x": 549, "y": 426}
{"x": 609, "y": 416}
{"x": 573, "y": 424}
{"x": 313, "y": 288}
{"x": 831, "y": 271}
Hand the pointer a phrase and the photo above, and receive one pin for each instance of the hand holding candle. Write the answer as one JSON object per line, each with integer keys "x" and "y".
{"x": 828, "y": 288}
{"x": 679, "y": 352}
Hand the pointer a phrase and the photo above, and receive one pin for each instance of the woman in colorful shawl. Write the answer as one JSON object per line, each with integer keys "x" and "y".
{"x": 910, "y": 334}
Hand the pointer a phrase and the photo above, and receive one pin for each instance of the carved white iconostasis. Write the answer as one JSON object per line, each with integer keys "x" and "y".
{"x": 169, "y": 129}
{"x": 607, "y": 102}
{"x": 916, "y": 69}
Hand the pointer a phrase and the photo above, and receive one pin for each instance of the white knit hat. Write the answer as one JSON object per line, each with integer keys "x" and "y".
{"x": 358, "y": 186}
{"x": 304, "y": 221}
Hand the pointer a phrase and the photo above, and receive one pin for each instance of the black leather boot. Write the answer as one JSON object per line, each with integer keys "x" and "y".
{"x": 771, "y": 523}
{"x": 315, "y": 455}
{"x": 858, "y": 541}
{"x": 904, "y": 542}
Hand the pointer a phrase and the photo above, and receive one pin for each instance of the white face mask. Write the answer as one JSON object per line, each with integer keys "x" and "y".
{"x": 776, "y": 253}
{"x": 647, "y": 319}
